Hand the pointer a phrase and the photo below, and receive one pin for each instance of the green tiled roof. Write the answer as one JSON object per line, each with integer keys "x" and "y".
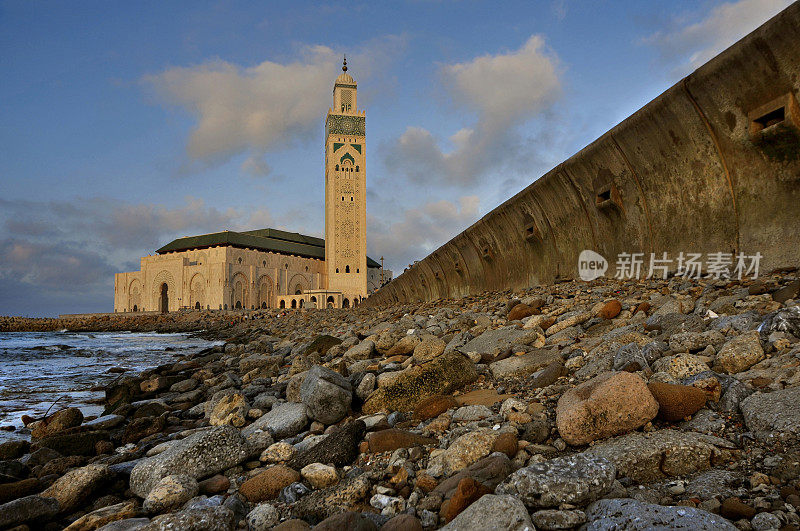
{"x": 272, "y": 240}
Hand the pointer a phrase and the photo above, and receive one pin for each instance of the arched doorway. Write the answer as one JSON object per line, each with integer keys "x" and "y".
{"x": 263, "y": 305}
{"x": 283, "y": 304}
{"x": 238, "y": 305}
{"x": 345, "y": 303}
{"x": 331, "y": 302}
{"x": 197, "y": 305}
{"x": 294, "y": 303}
{"x": 164, "y": 302}
{"x": 301, "y": 303}
{"x": 135, "y": 308}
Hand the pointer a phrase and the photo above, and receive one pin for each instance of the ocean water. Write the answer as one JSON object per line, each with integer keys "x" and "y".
{"x": 38, "y": 369}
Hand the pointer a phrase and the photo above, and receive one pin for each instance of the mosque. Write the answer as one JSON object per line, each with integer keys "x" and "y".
{"x": 269, "y": 268}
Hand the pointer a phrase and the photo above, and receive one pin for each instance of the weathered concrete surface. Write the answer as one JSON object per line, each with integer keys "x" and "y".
{"x": 684, "y": 173}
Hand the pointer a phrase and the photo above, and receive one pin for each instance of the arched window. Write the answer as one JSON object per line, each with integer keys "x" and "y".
{"x": 264, "y": 263}
{"x": 301, "y": 304}
{"x": 345, "y": 303}
{"x": 356, "y": 168}
{"x": 331, "y": 301}
{"x": 346, "y": 269}
{"x": 283, "y": 304}
{"x": 240, "y": 260}
{"x": 337, "y": 167}
{"x": 337, "y": 269}
{"x": 263, "y": 305}
{"x": 294, "y": 303}
{"x": 356, "y": 270}
{"x": 197, "y": 305}
{"x": 135, "y": 308}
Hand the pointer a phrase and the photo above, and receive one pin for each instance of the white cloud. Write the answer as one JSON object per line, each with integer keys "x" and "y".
{"x": 694, "y": 43}
{"x": 503, "y": 91}
{"x": 419, "y": 230}
{"x": 264, "y": 107}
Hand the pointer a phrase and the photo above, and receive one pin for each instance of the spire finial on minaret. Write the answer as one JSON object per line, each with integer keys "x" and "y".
{"x": 344, "y": 64}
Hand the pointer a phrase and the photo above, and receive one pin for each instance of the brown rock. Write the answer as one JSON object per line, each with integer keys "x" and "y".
{"x": 467, "y": 492}
{"x": 268, "y": 484}
{"x": 295, "y": 524}
{"x": 610, "y": 309}
{"x": 676, "y": 402}
{"x": 642, "y": 307}
{"x": 214, "y": 485}
{"x": 521, "y": 311}
{"x": 58, "y": 421}
{"x": 351, "y": 520}
{"x": 609, "y": 404}
{"x": 434, "y": 406}
{"x": 392, "y": 439}
{"x": 792, "y": 291}
{"x": 506, "y": 443}
{"x": 18, "y": 489}
{"x": 103, "y": 447}
{"x": 403, "y": 522}
{"x": 105, "y": 515}
{"x": 710, "y": 386}
{"x": 143, "y": 427}
{"x": 735, "y": 509}
{"x": 425, "y": 482}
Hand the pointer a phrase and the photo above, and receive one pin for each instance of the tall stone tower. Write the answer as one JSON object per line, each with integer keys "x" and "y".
{"x": 345, "y": 191}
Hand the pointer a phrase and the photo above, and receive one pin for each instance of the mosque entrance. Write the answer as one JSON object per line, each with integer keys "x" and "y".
{"x": 164, "y": 298}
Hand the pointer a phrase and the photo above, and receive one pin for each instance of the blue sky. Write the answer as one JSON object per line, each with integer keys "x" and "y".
{"x": 126, "y": 124}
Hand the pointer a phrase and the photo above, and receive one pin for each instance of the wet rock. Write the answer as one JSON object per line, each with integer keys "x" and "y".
{"x": 262, "y": 517}
{"x": 104, "y": 516}
{"x": 347, "y": 495}
{"x": 629, "y": 514}
{"x": 14, "y": 449}
{"x": 504, "y": 512}
{"x": 268, "y": 484}
{"x": 519, "y": 366}
{"x": 75, "y": 486}
{"x": 554, "y": 519}
{"x": 319, "y": 475}
{"x": 434, "y": 406}
{"x": 609, "y": 404}
{"x": 646, "y": 457}
{"x": 231, "y": 409}
{"x": 327, "y": 394}
{"x": 18, "y": 489}
{"x": 169, "y": 493}
{"x": 443, "y": 375}
{"x": 392, "y": 439}
{"x": 339, "y": 449}
{"x": 576, "y": 479}
{"x": 739, "y": 354}
{"x": 58, "y": 421}
{"x": 283, "y": 421}
{"x": 521, "y": 311}
{"x": 676, "y": 402}
{"x": 207, "y": 519}
{"x": 199, "y": 455}
{"x": 28, "y": 509}
{"x": 773, "y": 416}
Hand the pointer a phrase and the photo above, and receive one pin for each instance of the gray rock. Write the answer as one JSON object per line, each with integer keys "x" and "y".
{"x": 366, "y": 386}
{"x": 363, "y": 351}
{"x": 646, "y": 457}
{"x": 694, "y": 341}
{"x": 283, "y": 421}
{"x": 773, "y": 416}
{"x": 713, "y": 483}
{"x": 212, "y": 519}
{"x": 471, "y": 413}
{"x": 765, "y": 522}
{"x": 106, "y": 422}
{"x": 496, "y": 512}
{"x": 26, "y": 509}
{"x": 575, "y": 479}
{"x": 169, "y": 493}
{"x": 626, "y": 514}
{"x": 492, "y": 340}
{"x": 554, "y": 519}
{"x": 128, "y": 524}
{"x": 523, "y": 365}
{"x": 340, "y": 448}
{"x": 199, "y": 455}
{"x": 784, "y": 320}
{"x": 327, "y": 394}
{"x": 262, "y": 517}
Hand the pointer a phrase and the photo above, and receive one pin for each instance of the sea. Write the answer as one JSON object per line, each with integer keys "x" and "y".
{"x": 41, "y": 371}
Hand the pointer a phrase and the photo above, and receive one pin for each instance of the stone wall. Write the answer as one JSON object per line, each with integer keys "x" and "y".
{"x": 695, "y": 170}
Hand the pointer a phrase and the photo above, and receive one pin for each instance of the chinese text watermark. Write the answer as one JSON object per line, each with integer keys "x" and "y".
{"x": 719, "y": 265}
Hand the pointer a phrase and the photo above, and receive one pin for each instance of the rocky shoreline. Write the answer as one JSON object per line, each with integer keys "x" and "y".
{"x": 609, "y": 405}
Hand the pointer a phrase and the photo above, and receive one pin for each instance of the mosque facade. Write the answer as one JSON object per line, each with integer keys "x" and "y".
{"x": 270, "y": 268}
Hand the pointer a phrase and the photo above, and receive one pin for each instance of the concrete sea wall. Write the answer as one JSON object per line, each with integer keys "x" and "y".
{"x": 711, "y": 165}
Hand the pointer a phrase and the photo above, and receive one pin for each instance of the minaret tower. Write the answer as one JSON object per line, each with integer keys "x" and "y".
{"x": 345, "y": 192}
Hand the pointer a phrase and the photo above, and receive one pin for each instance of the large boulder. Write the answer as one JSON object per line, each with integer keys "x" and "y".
{"x": 609, "y": 404}
{"x": 646, "y": 457}
{"x": 443, "y": 375}
{"x": 199, "y": 455}
{"x": 327, "y": 394}
{"x": 58, "y": 421}
{"x": 773, "y": 416}
{"x": 524, "y": 365}
{"x": 634, "y": 515}
{"x": 231, "y": 409}
{"x": 575, "y": 479}
{"x": 26, "y": 509}
{"x": 677, "y": 401}
{"x": 76, "y": 485}
{"x": 340, "y": 448}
